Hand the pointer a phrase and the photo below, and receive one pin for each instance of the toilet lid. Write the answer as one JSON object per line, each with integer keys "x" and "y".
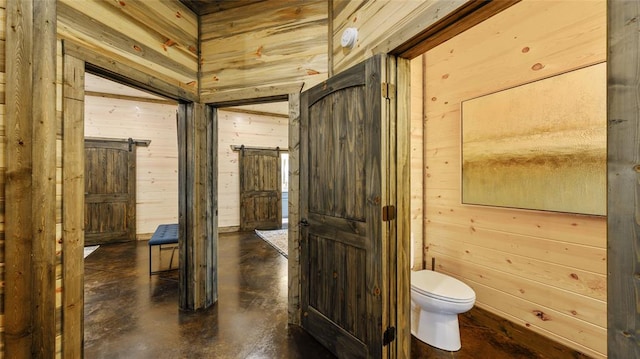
{"x": 441, "y": 286}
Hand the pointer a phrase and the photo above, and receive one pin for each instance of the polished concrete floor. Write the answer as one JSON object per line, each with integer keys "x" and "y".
{"x": 131, "y": 315}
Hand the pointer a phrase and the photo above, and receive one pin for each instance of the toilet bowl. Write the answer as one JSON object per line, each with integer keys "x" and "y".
{"x": 436, "y": 301}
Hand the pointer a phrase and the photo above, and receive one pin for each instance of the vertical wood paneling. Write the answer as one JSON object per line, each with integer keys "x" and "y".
{"x": 211, "y": 280}
{"x": 73, "y": 207}
{"x": 262, "y": 49}
{"x": 249, "y": 129}
{"x": 405, "y": 126}
{"x": 294, "y": 210}
{"x": 623, "y": 138}
{"x": 515, "y": 259}
{"x": 44, "y": 177}
{"x": 198, "y": 244}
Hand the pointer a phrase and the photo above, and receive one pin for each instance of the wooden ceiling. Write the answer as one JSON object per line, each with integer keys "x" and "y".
{"x": 205, "y": 7}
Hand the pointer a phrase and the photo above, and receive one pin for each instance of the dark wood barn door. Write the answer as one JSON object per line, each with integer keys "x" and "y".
{"x": 260, "y": 192}
{"x": 346, "y": 286}
{"x": 110, "y": 183}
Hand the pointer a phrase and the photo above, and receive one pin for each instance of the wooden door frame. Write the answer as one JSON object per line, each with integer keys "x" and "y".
{"x": 293, "y": 254}
{"x": 197, "y": 223}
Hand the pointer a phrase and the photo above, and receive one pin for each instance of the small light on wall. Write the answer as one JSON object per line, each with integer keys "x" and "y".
{"x": 349, "y": 37}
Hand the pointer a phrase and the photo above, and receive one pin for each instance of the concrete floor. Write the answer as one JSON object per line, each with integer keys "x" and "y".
{"x": 131, "y": 315}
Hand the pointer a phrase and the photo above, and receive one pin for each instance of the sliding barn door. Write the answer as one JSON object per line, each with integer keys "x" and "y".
{"x": 260, "y": 192}
{"x": 110, "y": 191}
{"x": 346, "y": 285}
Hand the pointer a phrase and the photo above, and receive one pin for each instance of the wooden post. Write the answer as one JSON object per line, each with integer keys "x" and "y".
{"x": 73, "y": 207}
{"x": 294, "y": 210}
{"x": 31, "y": 179}
{"x": 623, "y": 142}
{"x": 403, "y": 197}
{"x": 198, "y": 232}
{"x": 18, "y": 245}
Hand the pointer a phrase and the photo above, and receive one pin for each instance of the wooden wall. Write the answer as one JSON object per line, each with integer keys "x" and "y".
{"x": 263, "y": 49}
{"x": 382, "y": 26}
{"x": 157, "y": 165}
{"x": 158, "y": 38}
{"x": 545, "y": 271}
{"x": 3, "y": 165}
{"x": 249, "y": 129}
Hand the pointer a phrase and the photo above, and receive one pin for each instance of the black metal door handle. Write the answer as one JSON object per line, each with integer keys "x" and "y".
{"x": 304, "y": 222}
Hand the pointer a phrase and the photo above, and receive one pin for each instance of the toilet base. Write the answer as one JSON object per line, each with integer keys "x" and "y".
{"x": 436, "y": 329}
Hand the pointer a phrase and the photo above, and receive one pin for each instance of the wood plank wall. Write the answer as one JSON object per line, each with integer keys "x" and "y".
{"x": 249, "y": 129}
{"x": 158, "y": 38}
{"x": 3, "y": 165}
{"x": 544, "y": 271}
{"x": 382, "y": 25}
{"x": 157, "y": 165}
{"x": 263, "y": 49}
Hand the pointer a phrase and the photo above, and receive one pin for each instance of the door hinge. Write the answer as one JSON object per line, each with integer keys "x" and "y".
{"x": 388, "y": 90}
{"x": 388, "y": 213}
{"x": 389, "y": 336}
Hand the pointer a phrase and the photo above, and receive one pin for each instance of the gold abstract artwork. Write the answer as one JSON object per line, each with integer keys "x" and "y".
{"x": 539, "y": 146}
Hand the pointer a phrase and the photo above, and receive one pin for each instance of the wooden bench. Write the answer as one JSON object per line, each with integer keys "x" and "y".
{"x": 165, "y": 234}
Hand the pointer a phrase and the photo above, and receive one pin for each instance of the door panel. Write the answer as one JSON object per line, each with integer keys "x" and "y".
{"x": 345, "y": 284}
{"x": 260, "y": 192}
{"x": 110, "y": 191}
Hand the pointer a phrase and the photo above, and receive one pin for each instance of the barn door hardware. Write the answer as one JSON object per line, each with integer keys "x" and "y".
{"x": 389, "y": 336}
{"x": 131, "y": 143}
{"x": 304, "y": 222}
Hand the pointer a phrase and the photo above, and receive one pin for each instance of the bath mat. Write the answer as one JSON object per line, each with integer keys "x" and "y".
{"x": 278, "y": 239}
{"x": 89, "y": 249}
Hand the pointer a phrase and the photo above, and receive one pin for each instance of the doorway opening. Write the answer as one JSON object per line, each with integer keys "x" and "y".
{"x": 144, "y": 127}
{"x": 253, "y": 165}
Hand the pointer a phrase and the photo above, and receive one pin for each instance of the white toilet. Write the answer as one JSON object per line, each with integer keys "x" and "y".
{"x": 436, "y": 301}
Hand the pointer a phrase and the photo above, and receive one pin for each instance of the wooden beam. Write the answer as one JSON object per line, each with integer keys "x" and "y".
{"x": 44, "y": 178}
{"x": 73, "y": 207}
{"x": 185, "y": 301}
{"x": 18, "y": 243}
{"x": 623, "y": 159}
{"x": 252, "y": 96}
{"x": 294, "y": 210}
{"x": 30, "y": 189}
{"x": 197, "y": 206}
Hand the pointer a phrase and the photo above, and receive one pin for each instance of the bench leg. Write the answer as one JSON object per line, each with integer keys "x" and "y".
{"x": 173, "y": 251}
